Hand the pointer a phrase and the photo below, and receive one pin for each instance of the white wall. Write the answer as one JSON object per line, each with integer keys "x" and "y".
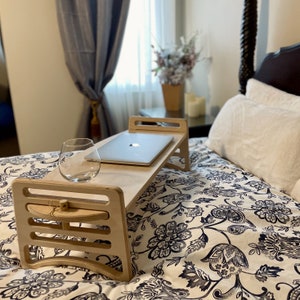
{"x": 46, "y": 104}
{"x": 284, "y": 23}
{"x": 220, "y": 21}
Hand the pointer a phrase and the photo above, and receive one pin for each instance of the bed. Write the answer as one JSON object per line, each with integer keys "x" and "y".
{"x": 218, "y": 231}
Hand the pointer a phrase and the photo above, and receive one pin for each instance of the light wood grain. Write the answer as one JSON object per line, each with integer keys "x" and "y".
{"x": 101, "y": 202}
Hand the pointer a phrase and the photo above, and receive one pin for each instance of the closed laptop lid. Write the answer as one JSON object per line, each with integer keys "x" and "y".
{"x": 133, "y": 148}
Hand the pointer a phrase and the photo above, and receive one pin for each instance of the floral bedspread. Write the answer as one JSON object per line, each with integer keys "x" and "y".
{"x": 216, "y": 232}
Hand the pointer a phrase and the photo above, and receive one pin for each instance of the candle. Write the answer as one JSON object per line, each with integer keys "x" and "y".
{"x": 196, "y": 107}
{"x": 188, "y": 97}
{"x": 202, "y": 102}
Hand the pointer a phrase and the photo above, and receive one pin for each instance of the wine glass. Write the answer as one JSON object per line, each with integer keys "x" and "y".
{"x": 72, "y": 162}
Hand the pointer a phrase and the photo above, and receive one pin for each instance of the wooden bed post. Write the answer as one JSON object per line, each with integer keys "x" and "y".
{"x": 248, "y": 42}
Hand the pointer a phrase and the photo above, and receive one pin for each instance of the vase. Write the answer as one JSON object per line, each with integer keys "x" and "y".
{"x": 173, "y": 96}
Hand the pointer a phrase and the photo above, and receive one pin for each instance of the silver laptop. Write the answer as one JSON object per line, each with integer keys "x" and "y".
{"x": 133, "y": 148}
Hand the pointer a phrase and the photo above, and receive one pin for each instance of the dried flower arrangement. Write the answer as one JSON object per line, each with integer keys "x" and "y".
{"x": 175, "y": 65}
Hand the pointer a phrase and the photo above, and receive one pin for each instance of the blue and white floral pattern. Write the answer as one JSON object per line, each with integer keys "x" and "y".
{"x": 215, "y": 232}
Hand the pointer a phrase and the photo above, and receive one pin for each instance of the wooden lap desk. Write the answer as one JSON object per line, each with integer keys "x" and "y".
{"x": 90, "y": 218}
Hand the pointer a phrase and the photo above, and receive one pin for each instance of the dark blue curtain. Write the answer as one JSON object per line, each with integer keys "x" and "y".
{"x": 92, "y": 33}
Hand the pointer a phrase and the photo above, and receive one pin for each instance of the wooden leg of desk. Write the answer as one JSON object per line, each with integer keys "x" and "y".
{"x": 85, "y": 225}
{"x": 183, "y": 153}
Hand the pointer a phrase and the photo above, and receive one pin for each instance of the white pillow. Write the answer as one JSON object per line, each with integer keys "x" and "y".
{"x": 260, "y": 139}
{"x": 271, "y": 96}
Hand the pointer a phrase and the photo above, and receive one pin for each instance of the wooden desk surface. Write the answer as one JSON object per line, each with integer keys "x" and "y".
{"x": 133, "y": 180}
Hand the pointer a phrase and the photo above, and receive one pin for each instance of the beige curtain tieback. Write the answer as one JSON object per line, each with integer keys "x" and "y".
{"x": 95, "y": 123}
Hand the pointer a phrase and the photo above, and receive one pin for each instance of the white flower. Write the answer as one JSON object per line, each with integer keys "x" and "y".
{"x": 174, "y": 66}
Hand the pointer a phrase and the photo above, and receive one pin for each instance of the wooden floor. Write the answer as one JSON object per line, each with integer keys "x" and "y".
{"x": 9, "y": 146}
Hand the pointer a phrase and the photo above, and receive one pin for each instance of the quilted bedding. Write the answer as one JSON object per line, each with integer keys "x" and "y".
{"x": 215, "y": 232}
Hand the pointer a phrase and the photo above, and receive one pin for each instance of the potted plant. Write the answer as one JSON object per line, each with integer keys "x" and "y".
{"x": 173, "y": 67}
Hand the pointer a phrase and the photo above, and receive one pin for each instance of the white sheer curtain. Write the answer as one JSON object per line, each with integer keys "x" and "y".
{"x": 134, "y": 85}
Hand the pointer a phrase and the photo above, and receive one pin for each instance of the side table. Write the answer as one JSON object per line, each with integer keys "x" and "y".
{"x": 198, "y": 127}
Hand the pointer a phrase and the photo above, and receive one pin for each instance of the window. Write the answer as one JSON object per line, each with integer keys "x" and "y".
{"x": 134, "y": 85}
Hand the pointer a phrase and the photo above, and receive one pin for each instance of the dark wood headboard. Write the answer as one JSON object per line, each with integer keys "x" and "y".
{"x": 281, "y": 69}
{"x": 278, "y": 68}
